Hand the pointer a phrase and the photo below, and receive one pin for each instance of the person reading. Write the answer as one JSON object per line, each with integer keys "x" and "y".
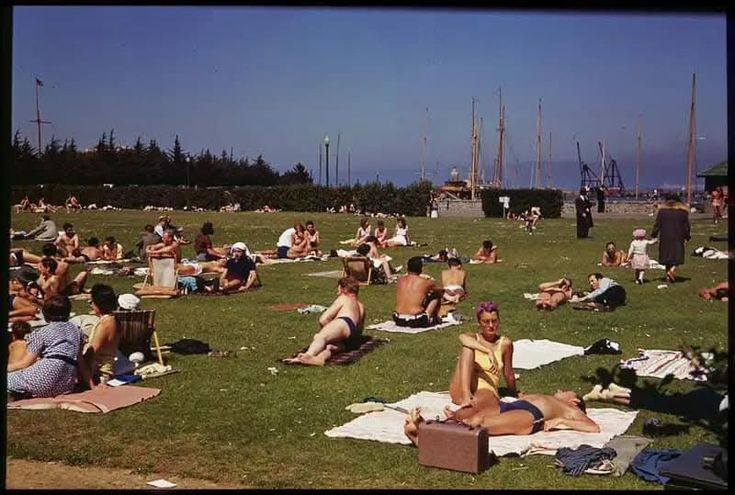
{"x": 341, "y": 326}
{"x": 453, "y": 281}
{"x": 417, "y": 298}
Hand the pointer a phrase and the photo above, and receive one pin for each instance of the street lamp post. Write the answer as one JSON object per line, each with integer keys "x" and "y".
{"x": 326, "y": 145}
{"x": 188, "y": 160}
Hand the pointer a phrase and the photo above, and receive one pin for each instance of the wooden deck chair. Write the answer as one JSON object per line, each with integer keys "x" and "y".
{"x": 358, "y": 267}
{"x": 136, "y": 329}
{"x": 162, "y": 273}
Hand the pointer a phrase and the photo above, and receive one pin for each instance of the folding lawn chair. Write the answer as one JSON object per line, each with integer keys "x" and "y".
{"x": 358, "y": 267}
{"x": 162, "y": 273}
{"x": 136, "y": 329}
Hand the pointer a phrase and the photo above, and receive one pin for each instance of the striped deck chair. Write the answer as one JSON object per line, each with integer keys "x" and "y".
{"x": 162, "y": 273}
{"x": 136, "y": 330}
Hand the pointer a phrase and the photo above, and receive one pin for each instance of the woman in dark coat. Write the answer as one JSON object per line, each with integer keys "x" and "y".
{"x": 672, "y": 230}
{"x": 584, "y": 214}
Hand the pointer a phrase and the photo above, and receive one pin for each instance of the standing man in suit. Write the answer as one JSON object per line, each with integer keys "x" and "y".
{"x": 584, "y": 214}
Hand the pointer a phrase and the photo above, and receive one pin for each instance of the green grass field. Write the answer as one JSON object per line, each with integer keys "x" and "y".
{"x": 232, "y": 421}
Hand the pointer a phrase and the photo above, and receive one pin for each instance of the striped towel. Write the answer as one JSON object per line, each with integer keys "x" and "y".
{"x": 660, "y": 363}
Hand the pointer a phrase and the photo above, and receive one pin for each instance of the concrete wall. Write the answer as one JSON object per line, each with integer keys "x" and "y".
{"x": 465, "y": 208}
{"x": 470, "y": 208}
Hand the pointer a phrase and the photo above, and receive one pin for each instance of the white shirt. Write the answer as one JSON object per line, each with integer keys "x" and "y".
{"x": 285, "y": 239}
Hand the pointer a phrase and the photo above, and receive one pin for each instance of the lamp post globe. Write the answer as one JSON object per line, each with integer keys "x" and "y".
{"x": 326, "y": 146}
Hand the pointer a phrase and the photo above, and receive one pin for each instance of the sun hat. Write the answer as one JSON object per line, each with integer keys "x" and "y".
{"x": 129, "y": 302}
{"x": 639, "y": 233}
{"x": 239, "y": 245}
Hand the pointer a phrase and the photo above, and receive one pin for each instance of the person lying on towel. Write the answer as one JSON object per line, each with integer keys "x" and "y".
{"x": 341, "y": 325}
{"x": 417, "y": 298}
{"x": 529, "y": 414}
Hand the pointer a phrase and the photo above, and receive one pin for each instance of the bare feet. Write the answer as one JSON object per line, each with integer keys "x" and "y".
{"x": 310, "y": 360}
{"x": 411, "y": 426}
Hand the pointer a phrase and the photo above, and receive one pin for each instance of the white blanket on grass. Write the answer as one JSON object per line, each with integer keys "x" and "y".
{"x": 390, "y": 326}
{"x": 529, "y": 354}
{"x": 387, "y": 426}
{"x": 658, "y": 363}
{"x": 327, "y": 274}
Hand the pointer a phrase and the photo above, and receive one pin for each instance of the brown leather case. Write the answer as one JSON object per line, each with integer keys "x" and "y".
{"x": 453, "y": 445}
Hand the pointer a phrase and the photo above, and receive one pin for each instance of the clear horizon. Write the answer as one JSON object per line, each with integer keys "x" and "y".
{"x": 276, "y": 80}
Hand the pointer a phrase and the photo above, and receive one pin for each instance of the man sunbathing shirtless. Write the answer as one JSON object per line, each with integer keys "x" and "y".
{"x": 341, "y": 325}
{"x": 488, "y": 253}
{"x": 553, "y": 294}
{"x": 52, "y": 283}
{"x": 529, "y": 414}
{"x": 453, "y": 281}
{"x": 417, "y": 298}
{"x": 167, "y": 248}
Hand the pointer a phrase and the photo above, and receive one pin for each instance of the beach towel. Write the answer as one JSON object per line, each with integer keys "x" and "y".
{"x": 660, "y": 363}
{"x": 530, "y": 296}
{"x": 366, "y": 345}
{"x": 387, "y": 426}
{"x": 327, "y": 274}
{"x": 529, "y": 354}
{"x": 98, "y": 400}
{"x": 390, "y": 326}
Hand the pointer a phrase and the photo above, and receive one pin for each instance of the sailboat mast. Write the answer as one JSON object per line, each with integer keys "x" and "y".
{"x": 549, "y": 182}
{"x": 537, "y": 180}
{"x": 473, "y": 158}
{"x": 692, "y": 139}
{"x": 638, "y": 159}
{"x": 498, "y": 172}
{"x": 349, "y": 169}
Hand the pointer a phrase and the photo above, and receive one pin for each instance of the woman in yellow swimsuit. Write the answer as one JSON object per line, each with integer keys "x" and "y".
{"x": 483, "y": 359}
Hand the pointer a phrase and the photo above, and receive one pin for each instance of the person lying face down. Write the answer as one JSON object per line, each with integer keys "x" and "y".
{"x": 529, "y": 414}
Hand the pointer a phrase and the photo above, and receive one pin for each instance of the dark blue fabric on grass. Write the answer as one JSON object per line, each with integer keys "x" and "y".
{"x": 647, "y": 465}
{"x": 576, "y": 461}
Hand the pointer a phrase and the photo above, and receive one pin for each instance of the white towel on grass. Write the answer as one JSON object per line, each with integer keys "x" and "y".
{"x": 529, "y": 354}
{"x": 390, "y": 326}
{"x": 530, "y": 296}
{"x": 387, "y": 426}
{"x": 327, "y": 274}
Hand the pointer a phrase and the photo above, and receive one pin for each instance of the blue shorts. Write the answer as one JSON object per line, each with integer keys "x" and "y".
{"x": 355, "y": 333}
{"x": 524, "y": 405}
{"x": 283, "y": 251}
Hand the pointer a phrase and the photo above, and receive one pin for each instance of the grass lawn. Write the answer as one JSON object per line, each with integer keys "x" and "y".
{"x": 231, "y": 420}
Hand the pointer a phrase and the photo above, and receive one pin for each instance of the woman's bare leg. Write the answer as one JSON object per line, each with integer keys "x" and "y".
{"x": 464, "y": 381}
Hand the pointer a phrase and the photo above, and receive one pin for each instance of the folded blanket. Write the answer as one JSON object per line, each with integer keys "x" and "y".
{"x": 367, "y": 345}
{"x": 660, "y": 363}
{"x": 390, "y": 326}
{"x": 529, "y": 354}
{"x": 98, "y": 400}
{"x": 387, "y": 426}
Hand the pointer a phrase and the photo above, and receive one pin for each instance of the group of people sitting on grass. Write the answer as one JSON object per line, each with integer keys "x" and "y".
{"x": 60, "y": 358}
{"x": 297, "y": 242}
{"x": 380, "y": 234}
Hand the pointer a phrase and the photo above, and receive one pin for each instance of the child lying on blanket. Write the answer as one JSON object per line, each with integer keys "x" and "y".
{"x": 529, "y": 414}
{"x": 341, "y": 325}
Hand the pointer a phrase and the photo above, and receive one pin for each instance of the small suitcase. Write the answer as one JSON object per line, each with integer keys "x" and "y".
{"x": 453, "y": 445}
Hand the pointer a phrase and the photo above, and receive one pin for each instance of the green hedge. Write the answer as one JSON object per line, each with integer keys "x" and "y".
{"x": 550, "y": 201}
{"x": 372, "y": 197}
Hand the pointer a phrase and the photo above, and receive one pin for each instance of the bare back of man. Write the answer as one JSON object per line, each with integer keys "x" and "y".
{"x": 411, "y": 291}
{"x": 341, "y": 324}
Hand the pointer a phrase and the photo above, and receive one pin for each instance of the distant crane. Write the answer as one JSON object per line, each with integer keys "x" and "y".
{"x": 610, "y": 174}
{"x": 588, "y": 177}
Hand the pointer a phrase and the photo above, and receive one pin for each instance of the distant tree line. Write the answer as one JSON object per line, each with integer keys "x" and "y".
{"x": 142, "y": 164}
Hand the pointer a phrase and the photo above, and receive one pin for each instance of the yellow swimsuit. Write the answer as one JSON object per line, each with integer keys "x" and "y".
{"x": 486, "y": 380}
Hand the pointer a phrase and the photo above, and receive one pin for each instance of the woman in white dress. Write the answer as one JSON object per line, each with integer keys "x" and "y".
{"x": 401, "y": 236}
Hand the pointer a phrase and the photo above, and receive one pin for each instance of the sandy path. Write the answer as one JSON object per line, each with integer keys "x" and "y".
{"x": 37, "y": 474}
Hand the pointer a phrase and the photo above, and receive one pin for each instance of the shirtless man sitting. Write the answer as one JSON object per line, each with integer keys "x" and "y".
{"x": 341, "y": 326}
{"x": 167, "y": 248}
{"x": 453, "y": 281}
{"x": 529, "y": 414}
{"x": 552, "y": 294}
{"x": 417, "y": 298}
{"x": 487, "y": 253}
{"x": 612, "y": 256}
{"x": 54, "y": 282}
{"x": 67, "y": 243}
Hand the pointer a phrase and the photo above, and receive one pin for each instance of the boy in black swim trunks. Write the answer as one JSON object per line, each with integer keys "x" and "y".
{"x": 341, "y": 326}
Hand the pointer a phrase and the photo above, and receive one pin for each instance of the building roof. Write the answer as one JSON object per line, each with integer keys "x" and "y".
{"x": 719, "y": 170}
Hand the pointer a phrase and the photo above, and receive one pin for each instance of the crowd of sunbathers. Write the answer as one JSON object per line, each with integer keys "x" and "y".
{"x": 61, "y": 357}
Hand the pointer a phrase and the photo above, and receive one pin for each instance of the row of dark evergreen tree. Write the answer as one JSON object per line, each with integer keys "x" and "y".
{"x": 143, "y": 164}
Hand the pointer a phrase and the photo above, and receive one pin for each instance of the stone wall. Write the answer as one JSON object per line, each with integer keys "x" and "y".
{"x": 463, "y": 208}
{"x": 616, "y": 208}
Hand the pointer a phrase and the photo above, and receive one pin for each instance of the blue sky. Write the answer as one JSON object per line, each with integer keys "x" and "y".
{"x": 275, "y": 81}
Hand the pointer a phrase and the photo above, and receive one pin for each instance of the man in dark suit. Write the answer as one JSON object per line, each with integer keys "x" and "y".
{"x": 584, "y": 214}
